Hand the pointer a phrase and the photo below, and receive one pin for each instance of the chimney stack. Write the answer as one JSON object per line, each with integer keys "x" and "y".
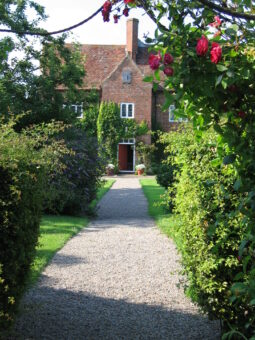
{"x": 132, "y": 37}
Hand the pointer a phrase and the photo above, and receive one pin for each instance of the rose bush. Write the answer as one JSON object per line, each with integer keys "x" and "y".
{"x": 216, "y": 90}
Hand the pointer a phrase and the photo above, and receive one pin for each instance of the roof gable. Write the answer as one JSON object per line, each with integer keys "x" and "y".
{"x": 101, "y": 61}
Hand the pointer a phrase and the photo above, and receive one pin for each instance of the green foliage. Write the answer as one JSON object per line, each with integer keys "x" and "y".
{"x": 219, "y": 95}
{"x": 109, "y": 129}
{"x": 23, "y": 88}
{"x": 145, "y": 155}
{"x": 212, "y": 227}
{"x": 26, "y": 159}
{"x": 75, "y": 187}
{"x": 89, "y": 120}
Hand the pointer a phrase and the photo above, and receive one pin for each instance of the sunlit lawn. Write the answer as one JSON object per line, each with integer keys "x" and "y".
{"x": 166, "y": 221}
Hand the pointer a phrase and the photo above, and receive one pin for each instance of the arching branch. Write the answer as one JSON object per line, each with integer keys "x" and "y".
{"x": 227, "y": 10}
{"x": 45, "y": 33}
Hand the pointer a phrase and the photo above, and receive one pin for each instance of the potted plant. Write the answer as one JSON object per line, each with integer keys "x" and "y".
{"x": 140, "y": 169}
{"x": 110, "y": 169}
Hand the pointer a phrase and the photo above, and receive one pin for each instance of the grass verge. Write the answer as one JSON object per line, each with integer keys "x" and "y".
{"x": 166, "y": 221}
{"x": 55, "y": 231}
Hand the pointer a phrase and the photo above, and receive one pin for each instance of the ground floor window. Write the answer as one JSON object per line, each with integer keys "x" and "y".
{"x": 172, "y": 118}
{"x": 76, "y": 108}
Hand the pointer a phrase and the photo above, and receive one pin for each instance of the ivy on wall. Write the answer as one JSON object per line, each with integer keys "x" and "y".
{"x": 111, "y": 128}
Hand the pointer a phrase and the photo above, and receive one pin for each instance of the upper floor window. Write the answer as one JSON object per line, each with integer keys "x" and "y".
{"x": 126, "y": 77}
{"x": 127, "y": 110}
{"x": 172, "y": 118}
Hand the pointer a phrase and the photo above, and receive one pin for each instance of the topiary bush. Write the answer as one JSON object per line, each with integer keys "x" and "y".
{"x": 212, "y": 226}
{"x": 26, "y": 159}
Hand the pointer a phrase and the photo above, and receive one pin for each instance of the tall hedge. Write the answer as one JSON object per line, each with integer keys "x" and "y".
{"x": 212, "y": 227}
{"x": 26, "y": 159}
{"x": 75, "y": 187}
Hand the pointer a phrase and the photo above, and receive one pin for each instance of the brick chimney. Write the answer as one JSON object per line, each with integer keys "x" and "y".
{"x": 132, "y": 37}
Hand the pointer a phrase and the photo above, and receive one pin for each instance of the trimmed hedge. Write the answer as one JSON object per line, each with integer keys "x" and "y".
{"x": 25, "y": 161}
{"x": 212, "y": 226}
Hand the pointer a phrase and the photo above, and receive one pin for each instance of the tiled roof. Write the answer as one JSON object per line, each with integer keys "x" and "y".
{"x": 101, "y": 60}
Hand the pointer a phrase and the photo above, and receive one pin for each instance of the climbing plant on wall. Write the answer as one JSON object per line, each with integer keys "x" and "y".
{"x": 111, "y": 128}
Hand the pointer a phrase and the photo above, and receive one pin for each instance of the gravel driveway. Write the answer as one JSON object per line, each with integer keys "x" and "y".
{"x": 117, "y": 279}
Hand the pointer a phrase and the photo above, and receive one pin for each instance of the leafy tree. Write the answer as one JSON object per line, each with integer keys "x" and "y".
{"x": 37, "y": 80}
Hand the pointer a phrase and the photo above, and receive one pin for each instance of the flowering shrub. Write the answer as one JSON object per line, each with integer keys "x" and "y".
{"x": 154, "y": 61}
{"x": 140, "y": 167}
{"x": 215, "y": 53}
{"x": 214, "y": 87}
{"x": 202, "y": 46}
{"x": 110, "y": 166}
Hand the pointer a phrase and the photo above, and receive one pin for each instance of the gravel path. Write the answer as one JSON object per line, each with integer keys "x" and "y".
{"x": 117, "y": 279}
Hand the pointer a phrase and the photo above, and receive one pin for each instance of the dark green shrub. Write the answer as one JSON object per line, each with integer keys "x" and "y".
{"x": 75, "y": 187}
{"x": 25, "y": 162}
{"x": 212, "y": 225}
{"x": 165, "y": 174}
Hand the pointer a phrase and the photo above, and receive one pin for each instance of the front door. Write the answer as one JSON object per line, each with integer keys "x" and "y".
{"x": 123, "y": 157}
{"x": 126, "y": 157}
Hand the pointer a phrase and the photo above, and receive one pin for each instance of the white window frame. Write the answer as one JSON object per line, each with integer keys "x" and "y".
{"x": 133, "y": 110}
{"x": 172, "y": 118}
{"x": 75, "y": 106}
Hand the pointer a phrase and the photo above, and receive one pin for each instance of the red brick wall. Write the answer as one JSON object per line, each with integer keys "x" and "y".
{"x": 162, "y": 117}
{"x": 132, "y": 37}
{"x": 137, "y": 92}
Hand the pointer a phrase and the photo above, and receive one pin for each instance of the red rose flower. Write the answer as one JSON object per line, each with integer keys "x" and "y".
{"x": 168, "y": 71}
{"x": 202, "y": 46}
{"x": 154, "y": 61}
{"x": 217, "y": 22}
{"x": 241, "y": 114}
{"x": 129, "y": 1}
{"x": 216, "y": 53}
{"x": 106, "y": 10}
{"x": 125, "y": 12}
{"x": 168, "y": 59}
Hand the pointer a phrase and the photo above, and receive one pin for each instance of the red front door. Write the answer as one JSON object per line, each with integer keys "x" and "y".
{"x": 123, "y": 156}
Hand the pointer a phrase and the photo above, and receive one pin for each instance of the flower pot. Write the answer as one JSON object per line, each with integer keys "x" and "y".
{"x": 140, "y": 172}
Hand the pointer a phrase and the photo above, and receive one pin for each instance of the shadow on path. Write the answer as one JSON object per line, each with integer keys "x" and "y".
{"x": 77, "y": 315}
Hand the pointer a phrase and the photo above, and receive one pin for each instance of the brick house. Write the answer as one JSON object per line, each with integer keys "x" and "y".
{"x": 117, "y": 72}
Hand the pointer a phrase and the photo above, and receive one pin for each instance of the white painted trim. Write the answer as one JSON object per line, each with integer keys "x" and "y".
{"x": 133, "y": 110}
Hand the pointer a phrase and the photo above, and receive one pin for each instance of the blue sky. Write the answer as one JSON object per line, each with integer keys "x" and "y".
{"x": 64, "y": 13}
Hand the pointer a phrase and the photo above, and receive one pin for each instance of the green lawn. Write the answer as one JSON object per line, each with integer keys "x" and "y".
{"x": 55, "y": 231}
{"x": 167, "y": 222}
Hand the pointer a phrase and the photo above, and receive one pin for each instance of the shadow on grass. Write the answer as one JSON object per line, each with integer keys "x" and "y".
{"x": 61, "y": 260}
{"x": 49, "y": 313}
